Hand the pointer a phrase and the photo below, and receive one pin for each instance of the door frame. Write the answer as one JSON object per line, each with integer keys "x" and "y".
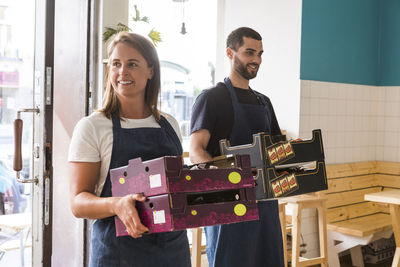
{"x": 71, "y": 93}
{"x": 42, "y": 223}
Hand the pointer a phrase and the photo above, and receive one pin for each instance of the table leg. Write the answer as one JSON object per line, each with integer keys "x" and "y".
{"x": 323, "y": 247}
{"x": 296, "y": 230}
{"x": 21, "y": 246}
{"x": 395, "y": 213}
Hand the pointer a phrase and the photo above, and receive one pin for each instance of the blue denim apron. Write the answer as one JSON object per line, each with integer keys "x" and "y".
{"x": 154, "y": 250}
{"x": 254, "y": 243}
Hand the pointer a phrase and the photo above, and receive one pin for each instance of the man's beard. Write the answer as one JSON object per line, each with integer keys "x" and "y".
{"x": 240, "y": 68}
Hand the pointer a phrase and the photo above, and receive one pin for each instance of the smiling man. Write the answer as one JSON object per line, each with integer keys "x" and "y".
{"x": 232, "y": 110}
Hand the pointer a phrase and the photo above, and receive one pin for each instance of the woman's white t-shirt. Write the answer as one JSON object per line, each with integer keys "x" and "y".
{"x": 92, "y": 140}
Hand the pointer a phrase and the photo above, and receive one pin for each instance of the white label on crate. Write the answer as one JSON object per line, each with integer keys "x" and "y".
{"x": 155, "y": 180}
{"x": 159, "y": 216}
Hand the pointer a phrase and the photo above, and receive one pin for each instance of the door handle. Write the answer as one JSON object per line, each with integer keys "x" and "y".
{"x": 18, "y": 125}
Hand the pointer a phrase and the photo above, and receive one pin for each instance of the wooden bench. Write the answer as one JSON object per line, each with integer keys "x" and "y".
{"x": 351, "y": 221}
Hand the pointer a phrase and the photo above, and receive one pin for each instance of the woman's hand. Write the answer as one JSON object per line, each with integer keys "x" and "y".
{"x": 125, "y": 209}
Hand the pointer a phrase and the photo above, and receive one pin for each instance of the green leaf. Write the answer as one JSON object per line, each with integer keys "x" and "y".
{"x": 111, "y": 31}
{"x": 155, "y": 36}
{"x": 145, "y": 19}
{"x": 108, "y": 33}
{"x": 137, "y": 18}
{"x": 122, "y": 27}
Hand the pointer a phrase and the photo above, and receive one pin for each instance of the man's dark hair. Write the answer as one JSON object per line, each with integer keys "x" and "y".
{"x": 235, "y": 38}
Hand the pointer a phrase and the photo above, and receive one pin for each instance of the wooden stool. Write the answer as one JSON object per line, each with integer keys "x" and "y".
{"x": 196, "y": 246}
{"x": 305, "y": 202}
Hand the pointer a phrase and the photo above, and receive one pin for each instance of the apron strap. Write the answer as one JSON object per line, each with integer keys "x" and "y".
{"x": 171, "y": 133}
{"x": 229, "y": 85}
{"x": 116, "y": 121}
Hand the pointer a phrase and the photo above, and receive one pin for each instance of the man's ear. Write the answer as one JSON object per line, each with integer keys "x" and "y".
{"x": 229, "y": 52}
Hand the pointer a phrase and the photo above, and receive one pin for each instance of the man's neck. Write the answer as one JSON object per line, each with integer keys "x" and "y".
{"x": 238, "y": 81}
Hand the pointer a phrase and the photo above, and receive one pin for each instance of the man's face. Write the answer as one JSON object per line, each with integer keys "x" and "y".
{"x": 247, "y": 59}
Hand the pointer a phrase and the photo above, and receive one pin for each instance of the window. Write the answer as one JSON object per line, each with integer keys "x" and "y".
{"x": 186, "y": 52}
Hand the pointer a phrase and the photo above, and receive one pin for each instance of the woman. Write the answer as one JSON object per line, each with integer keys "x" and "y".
{"x": 128, "y": 126}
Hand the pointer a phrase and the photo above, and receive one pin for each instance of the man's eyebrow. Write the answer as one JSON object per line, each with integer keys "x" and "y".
{"x": 253, "y": 50}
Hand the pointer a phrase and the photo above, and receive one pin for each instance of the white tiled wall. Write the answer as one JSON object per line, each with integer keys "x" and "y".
{"x": 358, "y": 123}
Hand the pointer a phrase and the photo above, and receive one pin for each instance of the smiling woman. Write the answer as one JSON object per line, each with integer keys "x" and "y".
{"x": 129, "y": 73}
{"x": 128, "y": 126}
{"x": 133, "y": 68}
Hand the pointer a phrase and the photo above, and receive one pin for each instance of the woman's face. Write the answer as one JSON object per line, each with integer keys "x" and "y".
{"x": 129, "y": 71}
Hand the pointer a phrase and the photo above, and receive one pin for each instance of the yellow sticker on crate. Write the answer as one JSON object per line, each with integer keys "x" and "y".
{"x": 234, "y": 177}
{"x": 240, "y": 209}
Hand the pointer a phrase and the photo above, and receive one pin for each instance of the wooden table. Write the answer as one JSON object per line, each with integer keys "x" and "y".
{"x": 391, "y": 197}
{"x": 17, "y": 223}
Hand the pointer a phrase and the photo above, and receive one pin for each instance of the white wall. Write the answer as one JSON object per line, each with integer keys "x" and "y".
{"x": 279, "y": 23}
{"x": 358, "y": 122}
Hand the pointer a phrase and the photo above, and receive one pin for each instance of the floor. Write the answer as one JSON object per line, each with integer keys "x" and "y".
{"x": 345, "y": 261}
{"x": 12, "y": 258}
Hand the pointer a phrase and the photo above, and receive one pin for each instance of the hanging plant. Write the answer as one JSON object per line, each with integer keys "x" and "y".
{"x": 154, "y": 35}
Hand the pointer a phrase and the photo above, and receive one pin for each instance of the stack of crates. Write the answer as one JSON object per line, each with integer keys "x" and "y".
{"x": 379, "y": 251}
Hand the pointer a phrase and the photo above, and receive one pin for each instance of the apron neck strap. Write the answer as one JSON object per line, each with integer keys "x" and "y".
{"x": 116, "y": 121}
{"x": 229, "y": 85}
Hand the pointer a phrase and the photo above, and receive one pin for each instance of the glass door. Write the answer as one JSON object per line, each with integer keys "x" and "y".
{"x": 25, "y": 101}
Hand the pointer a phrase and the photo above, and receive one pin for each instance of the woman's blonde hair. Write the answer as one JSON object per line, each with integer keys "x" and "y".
{"x": 111, "y": 103}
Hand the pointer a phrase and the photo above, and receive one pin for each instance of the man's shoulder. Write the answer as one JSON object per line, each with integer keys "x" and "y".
{"x": 218, "y": 90}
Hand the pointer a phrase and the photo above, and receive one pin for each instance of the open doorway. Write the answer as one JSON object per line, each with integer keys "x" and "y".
{"x": 17, "y": 20}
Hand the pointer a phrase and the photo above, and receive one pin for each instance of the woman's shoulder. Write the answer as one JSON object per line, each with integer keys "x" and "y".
{"x": 171, "y": 119}
{"x": 174, "y": 123}
{"x": 96, "y": 120}
{"x": 97, "y": 117}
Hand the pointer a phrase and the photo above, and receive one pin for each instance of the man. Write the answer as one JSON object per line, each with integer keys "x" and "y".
{"x": 232, "y": 110}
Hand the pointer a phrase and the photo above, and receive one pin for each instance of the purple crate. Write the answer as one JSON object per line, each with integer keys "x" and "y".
{"x": 159, "y": 216}
{"x": 166, "y": 175}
